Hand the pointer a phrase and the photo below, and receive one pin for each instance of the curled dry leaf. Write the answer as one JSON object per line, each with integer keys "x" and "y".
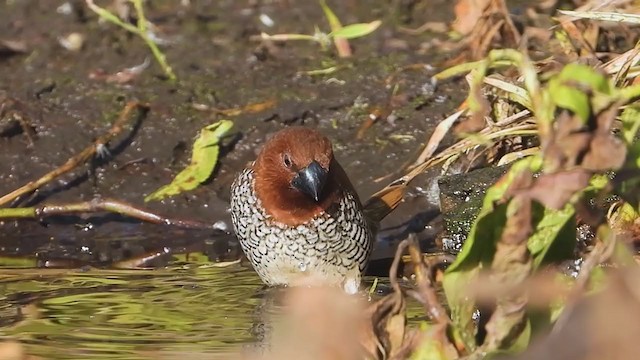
{"x": 512, "y": 264}
{"x": 383, "y": 335}
{"x": 479, "y": 107}
{"x": 424, "y": 285}
{"x": 124, "y": 76}
{"x": 583, "y": 134}
{"x": 572, "y": 144}
{"x": 606, "y": 151}
{"x": 566, "y": 143}
{"x": 482, "y": 21}
{"x": 384, "y": 201}
{"x": 145, "y": 260}
{"x": 436, "y": 138}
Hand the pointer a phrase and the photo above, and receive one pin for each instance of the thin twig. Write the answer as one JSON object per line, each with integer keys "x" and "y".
{"x": 100, "y": 205}
{"x": 76, "y": 160}
{"x": 426, "y": 290}
{"x": 393, "y": 271}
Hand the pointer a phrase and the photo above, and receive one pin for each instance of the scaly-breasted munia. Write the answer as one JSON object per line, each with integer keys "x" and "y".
{"x": 296, "y": 213}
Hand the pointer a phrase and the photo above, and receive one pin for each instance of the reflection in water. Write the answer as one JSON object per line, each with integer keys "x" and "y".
{"x": 136, "y": 314}
{"x": 128, "y": 314}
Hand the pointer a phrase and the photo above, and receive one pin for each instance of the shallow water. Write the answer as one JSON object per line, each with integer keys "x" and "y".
{"x": 131, "y": 314}
{"x": 124, "y": 314}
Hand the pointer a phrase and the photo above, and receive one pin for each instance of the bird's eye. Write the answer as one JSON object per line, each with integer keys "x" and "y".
{"x": 287, "y": 160}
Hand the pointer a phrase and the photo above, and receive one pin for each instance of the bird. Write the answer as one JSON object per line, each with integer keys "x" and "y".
{"x": 296, "y": 213}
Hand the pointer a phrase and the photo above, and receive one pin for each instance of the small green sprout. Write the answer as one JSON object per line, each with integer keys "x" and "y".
{"x": 339, "y": 34}
{"x": 140, "y": 30}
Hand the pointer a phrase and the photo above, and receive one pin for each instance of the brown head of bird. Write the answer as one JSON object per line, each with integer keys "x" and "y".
{"x": 296, "y": 175}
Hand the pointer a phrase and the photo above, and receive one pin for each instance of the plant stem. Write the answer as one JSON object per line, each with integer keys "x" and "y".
{"x": 140, "y": 30}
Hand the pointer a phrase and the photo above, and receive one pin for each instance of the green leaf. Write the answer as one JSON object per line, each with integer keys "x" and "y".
{"x": 203, "y": 160}
{"x": 430, "y": 347}
{"x": 553, "y": 237}
{"x": 570, "y": 88}
{"x": 471, "y": 252}
{"x": 630, "y": 118}
{"x": 478, "y": 251}
{"x": 356, "y": 30}
{"x": 633, "y": 156}
{"x": 630, "y": 93}
{"x": 570, "y": 98}
{"x": 585, "y": 76}
{"x": 334, "y": 22}
{"x": 625, "y": 214}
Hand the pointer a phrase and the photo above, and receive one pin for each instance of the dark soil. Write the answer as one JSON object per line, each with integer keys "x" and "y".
{"x": 218, "y": 66}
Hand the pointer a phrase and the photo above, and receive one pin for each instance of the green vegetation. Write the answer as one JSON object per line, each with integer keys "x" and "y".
{"x": 339, "y": 34}
{"x": 206, "y": 151}
{"x": 528, "y": 219}
{"x": 140, "y": 29}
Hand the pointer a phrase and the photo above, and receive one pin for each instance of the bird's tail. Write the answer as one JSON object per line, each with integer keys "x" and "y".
{"x": 386, "y": 200}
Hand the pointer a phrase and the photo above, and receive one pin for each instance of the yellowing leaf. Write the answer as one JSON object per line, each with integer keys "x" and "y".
{"x": 357, "y": 30}
{"x": 204, "y": 159}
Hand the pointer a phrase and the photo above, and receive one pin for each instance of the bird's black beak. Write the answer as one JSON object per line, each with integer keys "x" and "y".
{"x": 311, "y": 180}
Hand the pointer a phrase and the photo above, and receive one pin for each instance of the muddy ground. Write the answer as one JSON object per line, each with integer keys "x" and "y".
{"x": 218, "y": 66}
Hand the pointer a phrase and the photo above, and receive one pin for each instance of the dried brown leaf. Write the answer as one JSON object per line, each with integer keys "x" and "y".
{"x": 468, "y": 13}
{"x": 605, "y": 152}
{"x": 556, "y": 189}
{"x": 480, "y": 109}
{"x": 512, "y": 264}
{"x": 437, "y": 136}
{"x": 383, "y": 334}
{"x": 425, "y": 290}
{"x": 483, "y": 21}
{"x": 594, "y": 147}
{"x": 12, "y": 350}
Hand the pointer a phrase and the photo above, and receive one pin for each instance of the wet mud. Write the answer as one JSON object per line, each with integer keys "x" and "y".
{"x": 209, "y": 46}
